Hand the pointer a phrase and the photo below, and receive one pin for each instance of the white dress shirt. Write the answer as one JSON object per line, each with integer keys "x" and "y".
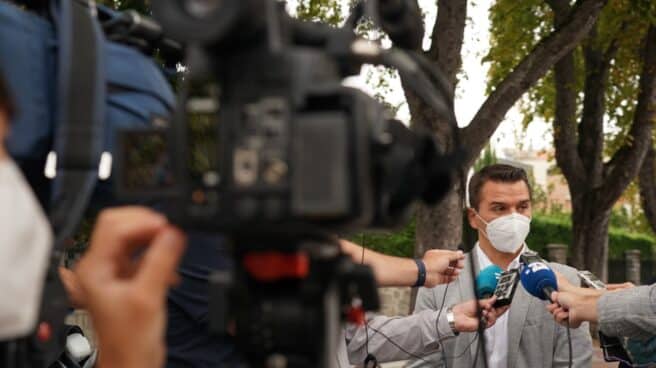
{"x": 496, "y": 337}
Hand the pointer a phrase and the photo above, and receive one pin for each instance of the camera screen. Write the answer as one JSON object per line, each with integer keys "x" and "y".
{"x": 146, "y": 162}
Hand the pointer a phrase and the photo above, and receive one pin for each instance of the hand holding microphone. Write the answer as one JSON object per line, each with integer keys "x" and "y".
{"x": 580, "y": 304}
{"x": 442, "y": 266}
{"x": 569, "y": 307}
{"x": 573, "y": 307}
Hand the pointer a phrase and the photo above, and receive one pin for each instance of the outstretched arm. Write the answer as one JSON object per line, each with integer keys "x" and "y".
{"x": 442, "y": 266}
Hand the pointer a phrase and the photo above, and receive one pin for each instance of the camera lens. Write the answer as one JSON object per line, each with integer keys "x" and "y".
{"x": 202, "y": 9}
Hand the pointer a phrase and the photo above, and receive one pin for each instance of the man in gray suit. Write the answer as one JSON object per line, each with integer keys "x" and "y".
{"x": 526, "y": 336}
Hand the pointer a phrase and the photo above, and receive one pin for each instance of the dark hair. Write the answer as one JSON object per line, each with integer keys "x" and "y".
{"x": 6, "y": 102}
{"x": 498, "y": 173}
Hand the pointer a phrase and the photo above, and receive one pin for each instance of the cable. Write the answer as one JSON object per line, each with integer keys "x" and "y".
{"x": 366, "y": 323}
{"x": 480, "y": 330}
{"x": 479, "y": 315}
{"x": 437, "y": 320}
{"x": 415, "y": 356}
{"x": 569, "y": 344}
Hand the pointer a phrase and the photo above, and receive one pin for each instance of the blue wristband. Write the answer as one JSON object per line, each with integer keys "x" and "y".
{"x": 421, "y": 273}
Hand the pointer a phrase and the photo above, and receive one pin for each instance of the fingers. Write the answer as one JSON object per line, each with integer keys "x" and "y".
{"x": 457, "y": 260}
{"x": 562, "y": 317}
{"x": 161, "y": 259}
{"x": 487, "y": 304}
{"x": 552, "y": 307}
{"x": 502, "y": 310}
{"x": 563, "y": 282}
{"x": 554, "y": 296}
{"x": 73, "y": 288}
{"x": 119, "y": 232}
{"x": 491, "y": 319}
{"x": 613, "y": 287}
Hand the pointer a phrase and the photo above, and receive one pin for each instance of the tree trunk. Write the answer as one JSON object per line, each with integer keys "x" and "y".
{"x": 440, "y": 226}
{"x": 648, "y": 187}
{"x": 590, "y": 238}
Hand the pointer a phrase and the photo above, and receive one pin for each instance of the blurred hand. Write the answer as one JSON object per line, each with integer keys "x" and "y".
{"x": 442, "y": 266}
{"x": 73, "y": 289}
{"x": 563, "y": 283}
{"x": 616, "y": 287}
{"x": 466, "y": 317}
{"x": 574, "y": 306}
{"x": 125, "y": 276}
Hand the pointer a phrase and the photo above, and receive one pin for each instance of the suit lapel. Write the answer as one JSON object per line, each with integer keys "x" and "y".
{"x": 519, "y": 308}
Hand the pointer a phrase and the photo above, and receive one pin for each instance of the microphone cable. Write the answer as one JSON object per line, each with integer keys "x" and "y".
{"x": 479, "y": 315}
{"x": 437, "y": 330}
{"x": 569, "y": 344}
{"x": 366, "y": 322}
{"x": 414, "y": 355}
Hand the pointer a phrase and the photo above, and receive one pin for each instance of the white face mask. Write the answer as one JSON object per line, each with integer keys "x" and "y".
{"x": 507, "y": 233}
{"x": 24, "y": 250}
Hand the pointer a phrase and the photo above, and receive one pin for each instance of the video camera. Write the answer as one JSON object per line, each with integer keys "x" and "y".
{"x": 267, "y": 140}
{"x": 269, "y": 148}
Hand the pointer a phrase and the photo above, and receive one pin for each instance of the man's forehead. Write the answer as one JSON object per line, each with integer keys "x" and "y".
{"x": 493, "y": 191}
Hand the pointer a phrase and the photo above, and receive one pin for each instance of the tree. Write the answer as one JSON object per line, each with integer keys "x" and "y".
{"x": 647, "y": 184}
{"x": 440, "y": 226}
{"x": 594, "y": 86}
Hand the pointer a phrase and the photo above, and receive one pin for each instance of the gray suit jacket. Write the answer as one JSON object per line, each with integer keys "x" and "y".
{"x": 396, "y": 338}
{"x": 534, "y": 340}
{"x": 629, "y": 313}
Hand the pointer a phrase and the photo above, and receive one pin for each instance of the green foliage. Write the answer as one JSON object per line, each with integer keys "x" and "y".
{"x": 489, "y": 157}
{"x": 630, "y": 214}
{"x": 558, "y": 229}
{"x": 517, "y": 26}
{"x": 400, "y": 243}
{"x": 326, "y": 11}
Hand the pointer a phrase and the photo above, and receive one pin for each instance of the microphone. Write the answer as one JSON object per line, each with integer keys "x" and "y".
{"x": 486, "y": 281}
{"x": 539, "y": 280}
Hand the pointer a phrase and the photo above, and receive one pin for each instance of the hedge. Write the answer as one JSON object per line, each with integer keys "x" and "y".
{"x": 557, "y": 229}
{"x": 544, "y": 230}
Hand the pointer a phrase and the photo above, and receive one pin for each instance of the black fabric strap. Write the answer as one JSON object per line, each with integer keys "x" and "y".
{"x": 79, "y": 135}
{"x": 78, "y": 146}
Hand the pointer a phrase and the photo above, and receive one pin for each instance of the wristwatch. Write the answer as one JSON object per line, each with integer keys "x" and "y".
{"x": 451, "y": 319}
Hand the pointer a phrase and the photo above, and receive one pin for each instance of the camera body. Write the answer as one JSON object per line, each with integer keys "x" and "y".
{"x": 270, "y": 148}
{"x": 290, "y": 149}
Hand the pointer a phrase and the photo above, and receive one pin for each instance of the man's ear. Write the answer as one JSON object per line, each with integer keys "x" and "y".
{"x": 471, "y": 217}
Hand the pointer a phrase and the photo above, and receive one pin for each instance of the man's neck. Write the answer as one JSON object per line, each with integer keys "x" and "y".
{"x": 3, "y": 153}
{"x": 500, "y": 259}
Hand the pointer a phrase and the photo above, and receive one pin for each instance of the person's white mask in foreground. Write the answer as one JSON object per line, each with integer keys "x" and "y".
{"x": 25, "y": 244}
